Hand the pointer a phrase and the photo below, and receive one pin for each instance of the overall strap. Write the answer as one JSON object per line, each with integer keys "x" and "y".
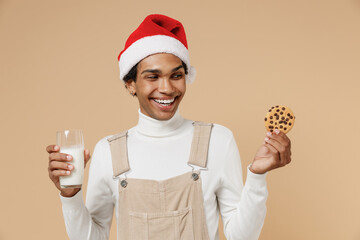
{"x": 118, "y": 148}
{"x": 200, "y": 144}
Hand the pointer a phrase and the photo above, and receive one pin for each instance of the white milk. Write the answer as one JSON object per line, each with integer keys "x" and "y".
{"x": 75, "y": 179}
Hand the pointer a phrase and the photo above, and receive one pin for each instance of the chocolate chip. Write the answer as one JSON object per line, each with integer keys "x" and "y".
{"x": 284, "y": 128}
{"x": 281, "y": 126}
{"x": 272, "y": 107}
{"x": 277, "y": 110}
{"x": 269, "y": 110}
{"x": 283, "y": 108}
{"x": 276, "y": 127}
{"x": 271, "y": 130}
{"x": 276, "y": 123}
{"x": 271, "y": 117}
{"x": 271, "y": 122}
{"x": 277, "y": 117}
{"x": 287, "y": 119}
{"x": 291, "y": 117}
{"x": 280, "y": 121}
{"x": 285, "y": 123}
{"x": 281, "y": 113}
{"x": 265, "y": 119}
{"x": 277, "y": 106}
{"x": 288, "y": 114}
{"x": 290, "y": 124}
{"x": 282, "y": 118}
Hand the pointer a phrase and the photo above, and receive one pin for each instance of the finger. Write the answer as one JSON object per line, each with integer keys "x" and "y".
{"x": 273, "y": 151}
{"x": 52, "y": 148}
{"x": 285, "y": 137}
{"x": 55, "y": 165}
{"x": 60, "y": 157}
{"x": 280, "y": 149}
{"x": 58, "y": 173}
{"x": 280, "y": 137}
{"x": 287, "y": 144}
{"x": 289, "y": 160}
{"x": 276, "y": 144}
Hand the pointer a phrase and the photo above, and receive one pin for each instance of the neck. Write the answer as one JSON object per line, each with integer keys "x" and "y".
{"x": 159, "y": 128}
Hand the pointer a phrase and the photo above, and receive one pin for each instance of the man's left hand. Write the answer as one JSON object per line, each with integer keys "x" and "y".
{"x": 274, "y": 153}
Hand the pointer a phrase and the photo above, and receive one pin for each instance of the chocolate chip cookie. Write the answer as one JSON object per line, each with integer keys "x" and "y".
{"x": 279, "y": 117}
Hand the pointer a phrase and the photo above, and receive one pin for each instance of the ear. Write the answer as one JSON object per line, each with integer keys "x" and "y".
{"x": 130, "y": 85}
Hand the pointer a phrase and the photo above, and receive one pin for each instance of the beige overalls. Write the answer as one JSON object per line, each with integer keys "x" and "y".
{"x": 169, "y": 209}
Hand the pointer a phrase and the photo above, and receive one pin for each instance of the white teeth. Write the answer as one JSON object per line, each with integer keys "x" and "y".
{"x": 167, "y": 101}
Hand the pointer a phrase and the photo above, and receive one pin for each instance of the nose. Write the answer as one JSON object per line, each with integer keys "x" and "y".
{"x": 165, "y": 86}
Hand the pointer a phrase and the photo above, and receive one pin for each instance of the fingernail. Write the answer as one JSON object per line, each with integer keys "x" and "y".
{"x": 67, "y": 172}
{"x": 68, "y": 157}
{"x": 268, "y": 134}
{"x": 266, "y": 139}
{"x": 277, "y": 131}
{"x": 70, "y": 166}
{"x": 56, "y": 148}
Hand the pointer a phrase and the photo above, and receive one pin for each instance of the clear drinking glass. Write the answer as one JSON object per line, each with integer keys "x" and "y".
{"x": 72, "y": 142}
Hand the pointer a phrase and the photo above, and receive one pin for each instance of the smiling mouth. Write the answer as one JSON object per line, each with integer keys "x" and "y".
{"x": 164, "y": 102}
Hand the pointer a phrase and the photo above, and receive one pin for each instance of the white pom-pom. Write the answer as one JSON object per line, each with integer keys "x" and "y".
{"x": 190, "y": 77}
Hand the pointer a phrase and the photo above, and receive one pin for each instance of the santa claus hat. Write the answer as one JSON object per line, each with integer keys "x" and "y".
{"x": 156, "y": 34}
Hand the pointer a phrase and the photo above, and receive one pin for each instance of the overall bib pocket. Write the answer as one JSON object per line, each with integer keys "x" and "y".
{"x": 174, "y": 225}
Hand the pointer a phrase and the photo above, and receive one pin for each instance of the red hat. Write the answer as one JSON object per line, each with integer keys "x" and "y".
{"x": 156, "y": 34}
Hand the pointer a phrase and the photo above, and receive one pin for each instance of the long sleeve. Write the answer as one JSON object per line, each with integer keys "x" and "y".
{"x": 243, "y": 208}
{"x": 93, "y": 220}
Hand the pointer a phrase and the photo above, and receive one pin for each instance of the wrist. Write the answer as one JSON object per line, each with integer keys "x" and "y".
{"x": 255, "y": 170}
{"x": 69, "y": 192}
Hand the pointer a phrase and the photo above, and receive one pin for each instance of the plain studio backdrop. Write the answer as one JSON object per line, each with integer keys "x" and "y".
{"x": 58, "y": 70}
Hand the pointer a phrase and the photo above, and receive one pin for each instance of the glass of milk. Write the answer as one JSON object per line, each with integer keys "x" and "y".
{"x": 72, "y": 142}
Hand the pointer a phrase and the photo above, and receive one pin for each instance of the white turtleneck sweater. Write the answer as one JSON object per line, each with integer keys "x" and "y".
{"x": 160, "y": 150}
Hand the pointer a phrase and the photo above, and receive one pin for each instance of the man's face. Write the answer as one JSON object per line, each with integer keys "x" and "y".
{"x": 160, "y": 85}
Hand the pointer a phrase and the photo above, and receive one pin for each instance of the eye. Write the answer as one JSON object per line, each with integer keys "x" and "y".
{"x": 177, "y": 76}
{"x": 152, "y": 77}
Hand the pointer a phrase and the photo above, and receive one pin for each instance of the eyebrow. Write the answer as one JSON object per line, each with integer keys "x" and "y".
{"x": 158, "y": 71}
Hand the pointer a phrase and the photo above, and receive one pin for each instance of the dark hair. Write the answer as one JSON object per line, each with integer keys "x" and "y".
{"x": 131, "y": 76}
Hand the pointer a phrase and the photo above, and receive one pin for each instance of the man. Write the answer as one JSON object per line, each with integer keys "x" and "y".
{"x": 167, "y": 177}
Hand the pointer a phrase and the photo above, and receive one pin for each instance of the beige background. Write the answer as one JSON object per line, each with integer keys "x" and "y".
{"x": 58, "y": 70}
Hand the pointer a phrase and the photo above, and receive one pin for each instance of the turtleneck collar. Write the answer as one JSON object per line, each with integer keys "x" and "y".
{"x": 159, "y": 128}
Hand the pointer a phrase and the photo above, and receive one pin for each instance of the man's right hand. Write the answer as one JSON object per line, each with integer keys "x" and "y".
{"x": 60, "y": 165}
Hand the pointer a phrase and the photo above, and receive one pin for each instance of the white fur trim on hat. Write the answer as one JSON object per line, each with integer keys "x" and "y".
{"x": 154, "y": 44}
